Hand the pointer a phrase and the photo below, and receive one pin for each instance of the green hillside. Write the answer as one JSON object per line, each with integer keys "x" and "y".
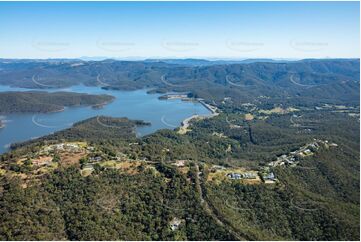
{"x": 43, "y": 102}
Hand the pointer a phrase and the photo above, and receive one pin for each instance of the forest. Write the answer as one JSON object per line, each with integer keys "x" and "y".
{"x": 306, "y": 82}
{"x": 321, "y": 203}
{"x": 160, "y": 186}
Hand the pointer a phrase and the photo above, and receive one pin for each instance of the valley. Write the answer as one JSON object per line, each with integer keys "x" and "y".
{"x": 36, "y": 117}
{"x": 279, "y": 163}
{"x": 180, "y": 121}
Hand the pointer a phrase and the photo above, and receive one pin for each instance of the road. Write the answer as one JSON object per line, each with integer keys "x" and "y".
{"x": 303, "y": 85}
{"x": 210, "y": 210}
{"x": 232, "y": 83}
{"x": 163, "y": 79}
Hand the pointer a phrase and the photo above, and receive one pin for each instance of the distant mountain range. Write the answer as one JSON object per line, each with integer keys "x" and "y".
{"x": 312, "y": 80}
{"x": 203, "y": 62}
{"x": 296, "y": 160}
{"x": 178, "y": 61}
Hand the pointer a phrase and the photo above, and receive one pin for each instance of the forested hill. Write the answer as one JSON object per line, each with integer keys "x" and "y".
{"x": 280, "y": 161}
{"x": 43, "y": 102}
{"x": 334, "y": 80}
{"x": 96, "y": 129}
{"x": 96, "y": 181}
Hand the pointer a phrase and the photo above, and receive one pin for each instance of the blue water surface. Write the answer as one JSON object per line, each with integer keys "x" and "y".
{"x": 162, "y": 114}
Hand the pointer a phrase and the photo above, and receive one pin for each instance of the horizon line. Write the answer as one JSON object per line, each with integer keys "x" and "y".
{"x": 101, "y": 58}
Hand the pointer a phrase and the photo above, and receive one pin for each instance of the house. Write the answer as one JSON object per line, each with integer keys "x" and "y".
{"x": 71, "y": 146}
{"x": 249, "y": 175}
{"x": 174, "y": 224}
{"x": 304, "y": 153}
{"x": 269, "y": 177}
{"x": 180, "y": 163}
{"x": 236, "y": 176}
{"x": 307, "y": 152}
{"x": 95, "y": 159}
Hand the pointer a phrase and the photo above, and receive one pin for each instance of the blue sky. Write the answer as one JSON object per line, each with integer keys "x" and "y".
{"x": 179, "y": 29}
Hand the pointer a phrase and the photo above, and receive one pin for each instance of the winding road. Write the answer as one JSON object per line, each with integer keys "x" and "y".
{"x": 303, "y": 85}
{"x": 210, "y": 210}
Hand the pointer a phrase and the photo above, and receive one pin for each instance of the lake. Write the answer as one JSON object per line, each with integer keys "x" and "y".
{"x": 162, "y": 114}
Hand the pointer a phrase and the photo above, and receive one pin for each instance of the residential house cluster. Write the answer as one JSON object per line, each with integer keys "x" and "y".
{"x": 307, "y": 150}
{"x": 237, "y": 176}
{"x": 69, "y": 147}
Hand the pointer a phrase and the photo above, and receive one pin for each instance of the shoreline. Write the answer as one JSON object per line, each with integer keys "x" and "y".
{"x": 57, "y": 111}
{"x": 183, "y": 128}
{"x": 101, "y": 105}
{"x": 184, "y": 97}
{"x": 186, "y": 122}
{"x": 211, "y": 108}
